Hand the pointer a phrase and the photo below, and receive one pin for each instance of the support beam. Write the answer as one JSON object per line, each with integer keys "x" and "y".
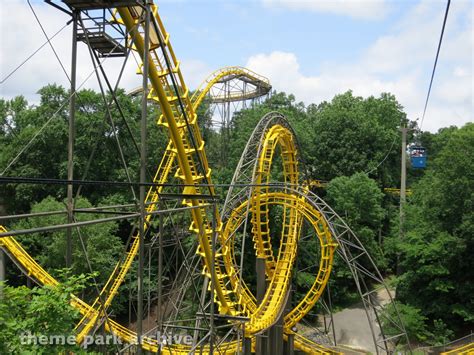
{"x": 197, "y": 325}
{"x": 71, "y": 139}
{"x": 143, "y": 153}
{"x": 289, "y": 344}
{"x": 403, "y": 188}
{"x": 261, "y": 339}
{"x": 247, "y": 346}
{"x": 276, "y": 331}
{"x": 94, "y": 221}
{"x": 3, "y": 264}
{"x": 159, "y": 315}
{"x": 289, "y": 347}
{"x": 333, "y": 327}
{"x": 2, "y": 271}
{"x": 212, "y": 329}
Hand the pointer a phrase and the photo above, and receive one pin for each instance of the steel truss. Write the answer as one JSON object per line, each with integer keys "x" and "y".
{"x": 250, "y": 196}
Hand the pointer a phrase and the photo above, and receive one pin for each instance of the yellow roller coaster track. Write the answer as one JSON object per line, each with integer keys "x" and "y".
{"x": 260, "y": 86}
{"x": 187, "y": 148}
{"x": 467, "y": 349}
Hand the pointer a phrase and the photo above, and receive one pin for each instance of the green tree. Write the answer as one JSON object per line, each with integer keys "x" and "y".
{"x": 358, "y": 200}
{"x": 96, "y": 243}
{"x": 40, "y": 311}
{"x": 436, "y": 252}
{"x": 413, "y": 321}
{"x": 352, "y": 134}
{"x": 96, "y": 155}
{"x": 418, "y": 327}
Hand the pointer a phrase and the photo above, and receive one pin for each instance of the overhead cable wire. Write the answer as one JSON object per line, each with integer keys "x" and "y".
{"x": 93, "y": 276}
{"x": 48, "y": 40}
{"x": 435, "y": 63}
{"x": 111, "y": 89}
{"x": 36, "y": 51}
{"x": 94, "y": 58}
{"x": 15, "y": 159}
{"x": 385, "y": 158}
{"x": 100, "y": 84}
{"x": 53, "y": 181}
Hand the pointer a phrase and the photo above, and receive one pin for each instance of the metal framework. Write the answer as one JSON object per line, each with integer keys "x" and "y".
{"x": 251, "y": 195}
{"x": 228, "y": 90}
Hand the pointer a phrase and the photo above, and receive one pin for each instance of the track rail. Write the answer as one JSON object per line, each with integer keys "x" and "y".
{"x": 187, "y": 147}
{"x": 260, "y": 86}
{"x": 185, "y": 157}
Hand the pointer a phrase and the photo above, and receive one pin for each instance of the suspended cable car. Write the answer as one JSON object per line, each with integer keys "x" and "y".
{"x": 418, "y": 157}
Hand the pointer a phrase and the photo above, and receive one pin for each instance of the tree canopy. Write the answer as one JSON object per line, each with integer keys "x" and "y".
{"x": 436, "y": 252}
{"x": 352, "y": 143}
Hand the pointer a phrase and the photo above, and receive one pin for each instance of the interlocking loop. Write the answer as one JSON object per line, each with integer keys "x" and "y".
{"x": 186, "y": 147}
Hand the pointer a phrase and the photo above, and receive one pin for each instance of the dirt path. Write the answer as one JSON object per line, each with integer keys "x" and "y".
{"x": 352, "y": 326}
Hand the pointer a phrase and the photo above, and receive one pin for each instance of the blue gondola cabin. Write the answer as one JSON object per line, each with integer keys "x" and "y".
{"x": 418, "y": 157}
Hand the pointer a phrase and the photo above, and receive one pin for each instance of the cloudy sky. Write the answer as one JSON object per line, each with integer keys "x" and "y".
{"x": 313, "y": 49}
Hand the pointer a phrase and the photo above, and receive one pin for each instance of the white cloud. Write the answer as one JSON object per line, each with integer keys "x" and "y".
{"x": 400, "y": 63}
{"x": 363, "y": 9}
{"x": 20, "y": 35}
{"x": 284, "y": 72}
{"x": 194, "y": 72}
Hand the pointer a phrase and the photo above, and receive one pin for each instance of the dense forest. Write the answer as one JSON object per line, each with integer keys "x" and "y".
{"x": 352, "y": 143}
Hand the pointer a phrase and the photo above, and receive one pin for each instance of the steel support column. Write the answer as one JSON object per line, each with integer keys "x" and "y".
{"x": 403, "y": 189}
{"x": 143, "y": 153}
{"x": 289, "y": 346}
{"x": 261, "y": 339}
{"x": 2, "y": 272}
{"x": 276, "y": 331}
{"x": 71, "y": 139}
{"x": 212, "y": 329}
{"x": 159, "y": 316}
{"x": 247, "y": 346}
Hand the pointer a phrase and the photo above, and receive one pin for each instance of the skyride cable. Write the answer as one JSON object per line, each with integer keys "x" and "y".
{"x": 436, "y": 61}
{"x": 14, "y": 160}
{"x": 36, "y": 51}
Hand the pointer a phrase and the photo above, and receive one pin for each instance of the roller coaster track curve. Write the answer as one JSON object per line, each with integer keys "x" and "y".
{"x": 186, "y": 148}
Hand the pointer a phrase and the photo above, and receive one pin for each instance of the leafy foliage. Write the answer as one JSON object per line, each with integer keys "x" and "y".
{"x": 436, "y": 253}
{"x": 352, "y": 134}
{"x": 96, "y": 153}
{"x": 40, "y": 311}
{"x": 358, "y": 200}
{"x": 413, "y": 320}
{"x": 352, "y": 142}
{"x": 103, "y": 248}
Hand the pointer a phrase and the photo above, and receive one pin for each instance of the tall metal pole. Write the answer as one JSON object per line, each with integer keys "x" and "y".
{"x": 3, "y": 264}
{"x": 261, "y": 339}
{"x": 288, "y": 346}
{"x": 403, "y": 188}
{"x": 143, "y": 133}
{"x": 159, "y": 315}
{"x": 70, "y": 146}
{"x": 213, "y": 278}
{"x": 2, "y": 272}
{"x": 197, "y": 324}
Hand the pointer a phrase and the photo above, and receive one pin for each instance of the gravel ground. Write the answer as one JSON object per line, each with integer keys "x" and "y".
{"x": 352, "y": 326}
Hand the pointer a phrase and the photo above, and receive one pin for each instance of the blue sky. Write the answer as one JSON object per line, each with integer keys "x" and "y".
{"x": 222, "y": 32}
{"x": 313, "y": 49}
